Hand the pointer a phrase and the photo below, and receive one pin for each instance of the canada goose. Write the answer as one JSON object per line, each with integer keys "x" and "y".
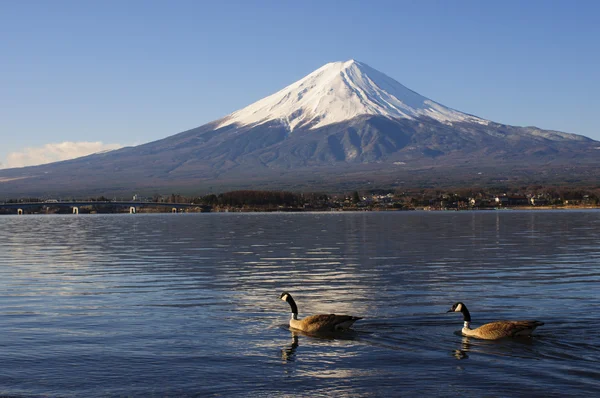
{"x": 317, "y": 323}
{"x": 494, "y": 330}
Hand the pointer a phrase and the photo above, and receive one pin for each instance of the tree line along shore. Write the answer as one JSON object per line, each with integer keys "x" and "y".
{"x": 374, "y": 200}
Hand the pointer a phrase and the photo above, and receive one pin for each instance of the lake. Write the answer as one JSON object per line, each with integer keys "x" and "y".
{"x": 183, "y": 305}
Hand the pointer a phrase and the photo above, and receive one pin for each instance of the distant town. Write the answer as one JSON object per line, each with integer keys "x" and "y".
{"x": 269, "y": 201}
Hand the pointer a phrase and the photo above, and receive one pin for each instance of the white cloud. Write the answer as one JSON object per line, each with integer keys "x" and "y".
{"x": 54, "y": 152}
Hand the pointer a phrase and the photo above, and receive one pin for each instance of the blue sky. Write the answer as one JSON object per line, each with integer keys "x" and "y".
{"x": 129, "y": 72}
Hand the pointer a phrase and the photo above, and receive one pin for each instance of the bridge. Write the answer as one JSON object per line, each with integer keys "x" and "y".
{"x": 20, "y": 208}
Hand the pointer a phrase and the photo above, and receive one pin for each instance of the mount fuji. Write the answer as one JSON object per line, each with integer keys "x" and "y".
{"x": 343, "y": 126}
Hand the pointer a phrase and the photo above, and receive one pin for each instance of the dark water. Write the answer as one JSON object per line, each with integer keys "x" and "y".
{"x": 188, "y": 305}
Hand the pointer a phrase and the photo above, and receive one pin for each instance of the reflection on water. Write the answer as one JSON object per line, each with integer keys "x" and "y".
{"x": 518, "y": 348}
{"x": 515, "y": 347}
{"x": 289, "y": 353}
{"x": 187, "y": 305}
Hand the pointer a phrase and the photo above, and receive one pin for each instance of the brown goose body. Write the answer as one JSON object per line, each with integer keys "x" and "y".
{"x": 323, "y": 323}
{"x": 494, "y": 330}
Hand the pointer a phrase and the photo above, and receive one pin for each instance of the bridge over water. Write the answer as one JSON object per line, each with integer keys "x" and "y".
{"x": 20, "y": 208}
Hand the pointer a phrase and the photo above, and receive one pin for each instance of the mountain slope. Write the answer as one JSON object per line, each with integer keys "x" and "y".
{"x": 343, "y": 126}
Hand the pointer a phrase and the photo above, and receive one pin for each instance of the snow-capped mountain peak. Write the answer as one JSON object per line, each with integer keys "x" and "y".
{"x": 340, "y": 91}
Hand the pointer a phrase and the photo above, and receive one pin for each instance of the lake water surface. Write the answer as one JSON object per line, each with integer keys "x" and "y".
{"x": 188, "y": 304}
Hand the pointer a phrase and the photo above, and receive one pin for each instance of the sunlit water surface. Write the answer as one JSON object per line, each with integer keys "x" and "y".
{"x": 188, "y": 305}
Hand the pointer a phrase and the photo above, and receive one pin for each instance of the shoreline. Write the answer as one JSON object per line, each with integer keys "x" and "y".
{"x": 148, "y": 209}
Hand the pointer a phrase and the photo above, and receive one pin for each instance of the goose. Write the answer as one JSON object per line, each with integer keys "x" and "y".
{"x": 322, "y": 323}
{"x": 494, "y": 330}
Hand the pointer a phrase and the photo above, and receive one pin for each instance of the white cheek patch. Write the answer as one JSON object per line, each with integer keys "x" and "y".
{"x": 284, "y": 298}
{"x": 458, "y": 308}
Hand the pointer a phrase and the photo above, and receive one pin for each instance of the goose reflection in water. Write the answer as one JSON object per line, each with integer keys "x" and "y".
{"x": 462, "y": 352}
{"x": 520, "y": 347}
{"x": 288, "y": 353}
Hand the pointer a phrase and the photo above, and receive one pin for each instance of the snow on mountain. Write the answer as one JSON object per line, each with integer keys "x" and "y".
{"x": 340, "y": 91}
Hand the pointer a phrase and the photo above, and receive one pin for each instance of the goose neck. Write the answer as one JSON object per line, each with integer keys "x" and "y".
{"x": 466, "y": 314}
{"x": 293, "y": 306}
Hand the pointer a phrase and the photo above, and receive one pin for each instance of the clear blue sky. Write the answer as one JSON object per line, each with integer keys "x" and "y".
{"x": 129, "y": 72}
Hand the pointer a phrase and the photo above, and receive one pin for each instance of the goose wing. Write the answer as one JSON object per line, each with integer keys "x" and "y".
{"x": 330, "y": 322}
{"x": 500, "y": 329}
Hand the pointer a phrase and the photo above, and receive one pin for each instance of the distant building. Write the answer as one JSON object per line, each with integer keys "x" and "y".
{"x": 139, "y": 198}
{"x": 538, "y": 201}
{"x": 512, "y": 200}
